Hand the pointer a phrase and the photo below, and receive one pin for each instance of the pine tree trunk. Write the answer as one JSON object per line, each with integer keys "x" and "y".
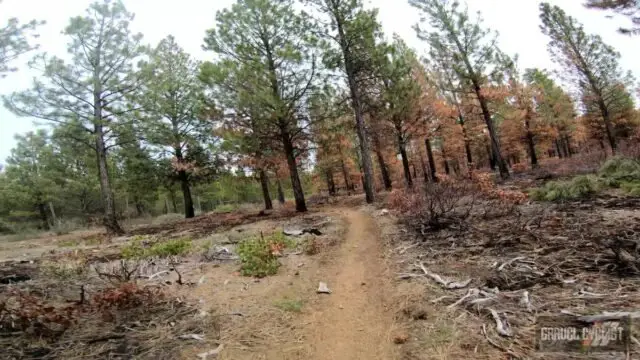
{"x": 558, "y": 149}
{"x": 189, "y": 211}
{"x": 109, "y": 220}
{"x": 54, "y": 218}
{"x": 386, "y": 179}
{"x": 432, "y": 163}
{"x": 280, "y": 191}
{"x": 467, "y": 143}
{"x": 567, "y": 146}
{"x": 532, "y": 146}
{"x": 492, "y": 160}
{"x": 495, "y": 145}
{"x": 298, "y": 193}
{"x": 264, "y": 183}
{"x": 405, "y": 162}
{"x": 174, "y": 201}
{"x": 42, "y": 209}
{"x": 361, "y": 130}
{"x": 331, "y": 185}
{"x": 345, "y": 175}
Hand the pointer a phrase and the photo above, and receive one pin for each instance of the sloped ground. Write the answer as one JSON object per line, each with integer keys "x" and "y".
{"x": 578, "y": 258}
{"x": 75, "y": 303}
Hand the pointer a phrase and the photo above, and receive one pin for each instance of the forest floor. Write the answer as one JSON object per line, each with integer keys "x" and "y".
{"x": 69, "y": 298}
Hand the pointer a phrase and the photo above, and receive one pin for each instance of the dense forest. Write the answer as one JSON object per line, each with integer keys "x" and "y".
{"x": 291, "y": 104}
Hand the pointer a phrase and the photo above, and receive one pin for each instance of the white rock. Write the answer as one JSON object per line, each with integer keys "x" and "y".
{"x": 323, "y": 288}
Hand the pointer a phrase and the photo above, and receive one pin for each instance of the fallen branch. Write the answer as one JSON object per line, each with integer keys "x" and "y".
{"x": 447, "y": 284}
{"x": 496, "y": 345}
{"x": 609, "y": 316}
{"x": 470, "y": 293}
{"x": 501, "y": 267}
{"x": 525, "y": 301}
{"x": 213, "y": 353}
{"x": 502, "y": 328}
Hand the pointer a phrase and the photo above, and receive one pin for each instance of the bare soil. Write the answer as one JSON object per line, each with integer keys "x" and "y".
{"x": 276, "y": 317}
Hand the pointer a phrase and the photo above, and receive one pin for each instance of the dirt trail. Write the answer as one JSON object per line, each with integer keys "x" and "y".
{"x": 354, "y": 322}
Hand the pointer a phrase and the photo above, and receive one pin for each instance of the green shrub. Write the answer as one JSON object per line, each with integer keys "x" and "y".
{"x": 173, "y": 247}
{"x": 259, "y": 255}
{"x": 136, "y": 250}
{"x": 290, "y": 305}
{"x": 577, "y": 188}
{"x": 621, "y": 169}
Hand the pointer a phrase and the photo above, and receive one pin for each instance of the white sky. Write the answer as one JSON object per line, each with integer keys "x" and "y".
{"x": 517, "y": 22}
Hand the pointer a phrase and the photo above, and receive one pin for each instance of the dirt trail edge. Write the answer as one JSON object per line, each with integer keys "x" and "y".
{"x": 353, "y": 322}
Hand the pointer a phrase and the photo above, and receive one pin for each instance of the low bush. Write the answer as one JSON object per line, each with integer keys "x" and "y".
{"x": 617, "y": 172}
{"x": 259, "y": 255}
{"x": 621, "y": 169}
{"x": 577, "y": 188}
{"x": 137, "y": 250}
{"x": 173, "y": 247}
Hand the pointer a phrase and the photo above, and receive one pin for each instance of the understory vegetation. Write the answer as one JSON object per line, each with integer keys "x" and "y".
{"x": 617, "y": 172}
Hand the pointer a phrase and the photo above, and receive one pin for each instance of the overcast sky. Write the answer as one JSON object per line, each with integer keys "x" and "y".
{"x": 516, "y": 20}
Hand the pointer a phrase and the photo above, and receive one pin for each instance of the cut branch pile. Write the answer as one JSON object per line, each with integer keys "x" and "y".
{"x": 578, "y": 258}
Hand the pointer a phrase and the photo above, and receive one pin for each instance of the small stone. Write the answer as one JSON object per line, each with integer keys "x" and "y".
{"x": 400, "y": 338}
{"x": 323, "y": 288}
{"x": 363, "y": 283}
{"x": 297, "y": 273}
{"x": 341, "y": 307}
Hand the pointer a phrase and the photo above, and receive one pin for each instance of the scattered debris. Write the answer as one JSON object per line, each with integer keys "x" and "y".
{"x": 383, "y": 212}
{"x": 323, "y": 288}
{"x": 191, "y": 337}
{"x": 211, "y": 353}
{"x": 447, "y": 284}
{"x": 300, "y": 232}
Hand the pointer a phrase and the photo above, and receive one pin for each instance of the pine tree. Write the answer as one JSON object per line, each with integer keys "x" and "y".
{"x": 15, "y": 40}
{"x": 470, "y": 50}
{"x": 174, "y": 108}
{"x": 588, "y": 63}
{"x": 267, "y": 69}
{"x": 353, "y": 33}
{"x": 89, "y": 92}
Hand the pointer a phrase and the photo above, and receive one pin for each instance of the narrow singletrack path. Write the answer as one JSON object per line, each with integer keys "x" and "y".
{"x": 354, "y": 322}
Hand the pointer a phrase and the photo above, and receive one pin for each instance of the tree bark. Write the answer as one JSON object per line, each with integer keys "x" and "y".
{"x": 495, "y": 145}
{"x": 109, "y": 219}
{"x": 264, "y": 183}
{"x": 531, "y": 144}
{"x": 42, "y": 209}
{"x": 351, "y": 72}
{"x": 567, "y": 146}
{"x": 467, "y": 143}
{"x": 492, "y": 160}
{"x": 405, "y": 162}
{"x": 386, "y": 179}
{"x": 54, "y": 218}
{"x": 345, "y": 175}
{"x": 558, "y": 149}
{"x": 298, "y": 193}
{"x": 432, "y": 163}
{"x": 331, "y": 185}
{"x": 189, "y": 211}
{"x": 280, "y": 191}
